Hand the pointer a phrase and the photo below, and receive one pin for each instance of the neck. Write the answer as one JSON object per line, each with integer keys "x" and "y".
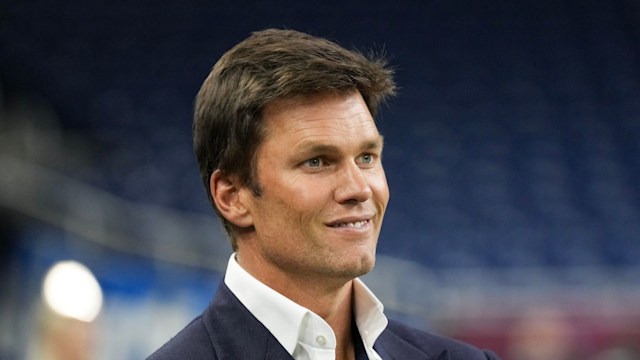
{"x": 337, "y": 311}
{"x": 331, "y": 299}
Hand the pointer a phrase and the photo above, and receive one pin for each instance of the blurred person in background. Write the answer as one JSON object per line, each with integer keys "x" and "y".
{"x": 540, "y": 334}
{"x": 290, "y": 155}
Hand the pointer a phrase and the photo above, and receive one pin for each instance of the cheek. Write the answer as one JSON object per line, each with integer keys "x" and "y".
{"x": 380, "y": 187}
{"x": 309, "y": 195}
{"x": 292, "y": 208}
{"x": 306, "y": 208}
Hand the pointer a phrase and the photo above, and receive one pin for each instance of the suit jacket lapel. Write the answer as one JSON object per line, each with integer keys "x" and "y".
{"x": 236, "y": 334}
{"x": 392, "y": 347}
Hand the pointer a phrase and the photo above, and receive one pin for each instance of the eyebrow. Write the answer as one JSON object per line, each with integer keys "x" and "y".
{"x": 377, "y": 143}
{"x": 374, "y": 144}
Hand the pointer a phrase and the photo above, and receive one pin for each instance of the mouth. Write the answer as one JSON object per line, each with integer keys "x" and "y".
{"x": 358, "y": 224}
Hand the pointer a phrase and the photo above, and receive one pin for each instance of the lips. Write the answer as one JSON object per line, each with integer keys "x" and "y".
{"x": 355, "y": 224}
{"x": 351, "y": 223}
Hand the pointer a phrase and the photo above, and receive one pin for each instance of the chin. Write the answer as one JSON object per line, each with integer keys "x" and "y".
{"x": 361, "y": 266}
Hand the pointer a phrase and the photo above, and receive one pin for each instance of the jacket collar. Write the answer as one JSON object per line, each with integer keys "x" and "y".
{"x": 252, "y": 341}
{"x": 236, "y": 334}
{"x": 391, "y": 346}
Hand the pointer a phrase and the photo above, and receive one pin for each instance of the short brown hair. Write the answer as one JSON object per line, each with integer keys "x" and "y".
{"x": 267, "y": 66}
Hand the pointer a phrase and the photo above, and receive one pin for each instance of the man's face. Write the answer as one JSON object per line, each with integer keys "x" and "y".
{"x": 324, "y": 190}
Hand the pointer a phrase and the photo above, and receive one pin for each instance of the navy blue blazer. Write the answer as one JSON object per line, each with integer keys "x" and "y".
{"x": 226, "y": 330}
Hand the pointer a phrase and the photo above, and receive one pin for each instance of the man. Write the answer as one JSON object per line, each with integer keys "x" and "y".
{"x": 291, "y": 158}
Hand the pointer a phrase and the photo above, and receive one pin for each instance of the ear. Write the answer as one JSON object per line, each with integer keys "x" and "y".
{"x": 225, "y": 193}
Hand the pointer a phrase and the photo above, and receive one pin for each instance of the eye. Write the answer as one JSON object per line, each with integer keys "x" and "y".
{"x": 367, "y": 159}
{"x": 314, "y": 162}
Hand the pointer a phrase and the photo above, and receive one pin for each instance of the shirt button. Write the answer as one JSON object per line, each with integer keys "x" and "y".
{"x": 321, "y": 340}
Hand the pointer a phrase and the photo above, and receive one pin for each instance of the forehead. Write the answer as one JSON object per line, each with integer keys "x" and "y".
{"x": 320, "y": 115}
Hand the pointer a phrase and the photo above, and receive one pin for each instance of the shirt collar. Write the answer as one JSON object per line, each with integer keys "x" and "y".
{"x": 369, "y": 313}
{"x": 281, "y": 316}
{"x": 286, "y": 320}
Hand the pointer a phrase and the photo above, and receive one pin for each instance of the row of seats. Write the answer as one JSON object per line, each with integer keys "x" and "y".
{"x": 515, "y": 139}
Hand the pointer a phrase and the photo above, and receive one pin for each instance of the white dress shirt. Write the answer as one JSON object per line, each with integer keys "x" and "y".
{"x": 304, "y": 334}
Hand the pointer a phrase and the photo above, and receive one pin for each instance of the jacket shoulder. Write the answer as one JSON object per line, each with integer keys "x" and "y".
{"x": 439, "y": 347}
{"x": 192, "y": 342}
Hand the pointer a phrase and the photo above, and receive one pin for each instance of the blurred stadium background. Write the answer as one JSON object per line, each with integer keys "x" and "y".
{"x": 513, "y": 157}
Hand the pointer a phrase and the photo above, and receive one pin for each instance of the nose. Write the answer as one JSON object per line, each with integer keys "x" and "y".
{"x": 352, "y": 186}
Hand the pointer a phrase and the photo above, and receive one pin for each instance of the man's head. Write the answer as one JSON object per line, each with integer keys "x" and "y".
{"x": 269, "y": 66}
